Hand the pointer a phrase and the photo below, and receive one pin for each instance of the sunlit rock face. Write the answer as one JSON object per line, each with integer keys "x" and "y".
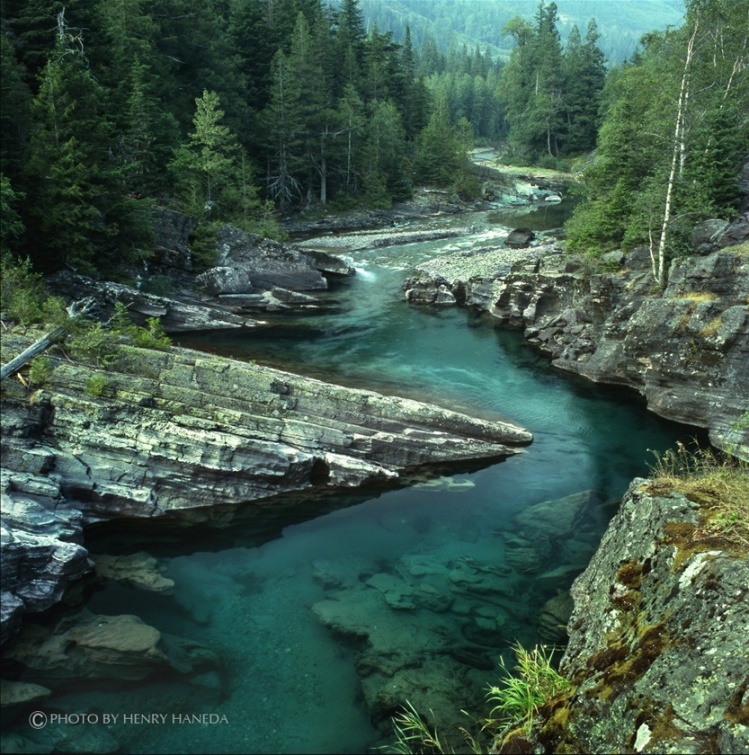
{"x": 181, "y": 431}
{"x": 657, "y": 648}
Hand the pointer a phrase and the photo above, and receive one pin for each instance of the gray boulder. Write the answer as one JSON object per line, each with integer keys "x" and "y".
{"x": 520, "y": 238}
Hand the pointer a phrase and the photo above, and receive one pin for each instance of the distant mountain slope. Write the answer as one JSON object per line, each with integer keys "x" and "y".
{"x": 471, "y": 22}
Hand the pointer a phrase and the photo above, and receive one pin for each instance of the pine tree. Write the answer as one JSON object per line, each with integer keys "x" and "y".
{"x": 203, "y": 165}
{"x": 68, "y": 151}
{"x": 437, "y": 160}
{"x": 15, "y": 114}
{"x": 385, "y": 174}
{"x": 282, "y": 124}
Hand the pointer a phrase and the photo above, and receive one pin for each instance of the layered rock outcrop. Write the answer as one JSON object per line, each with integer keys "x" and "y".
{"x": 252, "y": 274}
{"x": 161, "y": 432}
{"x": 686, "y": 349}
{"x": 657, "y": 649}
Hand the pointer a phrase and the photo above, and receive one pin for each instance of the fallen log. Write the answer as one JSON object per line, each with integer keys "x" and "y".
{"x": 76, "y": 309}
{"x": 34, "y": 350}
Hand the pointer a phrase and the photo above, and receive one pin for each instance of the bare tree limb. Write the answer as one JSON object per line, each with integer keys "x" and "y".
{"x": 76, "y": 309}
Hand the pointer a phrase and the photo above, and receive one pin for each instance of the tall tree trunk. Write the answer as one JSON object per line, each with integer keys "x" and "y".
{"x": 323, "y": 180}
{"x": 678, "y": 149}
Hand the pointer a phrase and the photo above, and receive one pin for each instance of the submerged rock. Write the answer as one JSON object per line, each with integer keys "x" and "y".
{"x": 179, "y": 430}
{"x": 21, "y": 693}
{"x": 138, "y": 570}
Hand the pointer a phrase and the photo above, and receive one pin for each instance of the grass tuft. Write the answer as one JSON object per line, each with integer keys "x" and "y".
{"x": 521, "y": 694}
{"x": 717, "y": 481}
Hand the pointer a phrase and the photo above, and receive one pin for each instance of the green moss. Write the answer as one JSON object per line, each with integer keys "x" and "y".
{"x": 97, "y": 384}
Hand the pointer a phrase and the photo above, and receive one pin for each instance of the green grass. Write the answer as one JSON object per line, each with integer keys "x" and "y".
{"x": 517, "y": 700}
{"x": 522, "y": 693}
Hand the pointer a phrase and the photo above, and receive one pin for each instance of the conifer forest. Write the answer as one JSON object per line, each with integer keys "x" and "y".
{"x": 238, "y": 110}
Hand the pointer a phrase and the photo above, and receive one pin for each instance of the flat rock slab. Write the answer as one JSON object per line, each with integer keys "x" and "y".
{"x": 186, "y": 431}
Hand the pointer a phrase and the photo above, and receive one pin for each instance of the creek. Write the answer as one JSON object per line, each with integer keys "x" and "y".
{"x": 287, "y": 684}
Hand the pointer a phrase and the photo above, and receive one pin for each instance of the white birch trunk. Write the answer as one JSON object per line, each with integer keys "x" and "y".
{"x": 677, "y": 151}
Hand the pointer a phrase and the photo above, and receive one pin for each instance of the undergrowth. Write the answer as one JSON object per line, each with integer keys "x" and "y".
{"x": 516, "y": 702}
{"x": 27, "y": 301}
{"x": 717, "y": 481}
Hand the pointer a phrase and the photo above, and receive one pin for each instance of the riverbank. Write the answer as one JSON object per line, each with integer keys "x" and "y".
{"x": 686, "y": 349}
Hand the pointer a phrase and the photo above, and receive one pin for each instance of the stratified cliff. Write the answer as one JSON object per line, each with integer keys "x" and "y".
{"x": 686, "y": 349}
{"x": 158, "y": 432}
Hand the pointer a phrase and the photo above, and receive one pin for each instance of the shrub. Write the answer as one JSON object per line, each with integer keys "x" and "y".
{"x": 40, "y": 372}
{"x": 93, "y": 343}
{"x": 23, "y": 291}
{"x": 204, "y": 246}
{"x": 151, "y": 336}
{"x": 96, "y": 384}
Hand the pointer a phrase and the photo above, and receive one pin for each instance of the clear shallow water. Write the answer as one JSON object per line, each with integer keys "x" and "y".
{"x": 252, "y": 593}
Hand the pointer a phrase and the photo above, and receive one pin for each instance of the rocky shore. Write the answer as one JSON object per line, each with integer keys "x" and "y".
{"x": 686, "y": 349}
{"x": 657, "y": 648}
{"x": 161, "y": 432}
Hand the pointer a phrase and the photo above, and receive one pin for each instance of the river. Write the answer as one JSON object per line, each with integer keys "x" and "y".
{"x": 289, "y": 685}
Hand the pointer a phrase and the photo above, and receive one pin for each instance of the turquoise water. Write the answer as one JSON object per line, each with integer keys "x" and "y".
{"x": 323, "y": 614}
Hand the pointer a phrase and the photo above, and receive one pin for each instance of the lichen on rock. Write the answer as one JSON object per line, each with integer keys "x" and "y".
{"x": 657, "y": 648}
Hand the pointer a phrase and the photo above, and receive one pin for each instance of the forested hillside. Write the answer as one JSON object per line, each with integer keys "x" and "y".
{"x": 472, "y": 22}
{"x": 674, "y": 137}
{"x": 234, "y": 111}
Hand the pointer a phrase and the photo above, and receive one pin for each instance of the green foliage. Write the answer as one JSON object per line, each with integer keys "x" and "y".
{"x": 151, "y": 336}
{"x": 23, "y": 291}
{"x": 414, "y": 735}
{"x": 439, "y": 152}
{"x": 516, "y": 702}
{"x": 11, "y": 225}
{"x": 40, "y": 372}
{"x": 92, "y": 343}
{"x": 99, "y": 343}
{"x": 96, "y": 384}
{"x": 204, "y": 246}
{"x": 520, "y": 695}
{"x": 551, "y": 97}
{"x": 627, "y": 185}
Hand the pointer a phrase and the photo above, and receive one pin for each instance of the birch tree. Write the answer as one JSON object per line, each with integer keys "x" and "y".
{"x": 677, "y": 160}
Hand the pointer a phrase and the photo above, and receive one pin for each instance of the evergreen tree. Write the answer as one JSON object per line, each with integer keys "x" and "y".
{"x": 207, "y": 166}
{"x": 11, "y": 225}
{"x": 65, "y": 172}
{"x": 311, "y": 102}
{"x": 439, "y": 153}
{"x": 15, "y": 114}
{"x": 385, "y": 172}
{"x": 585, "y": 76}
{"x": 282, "y": 125}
